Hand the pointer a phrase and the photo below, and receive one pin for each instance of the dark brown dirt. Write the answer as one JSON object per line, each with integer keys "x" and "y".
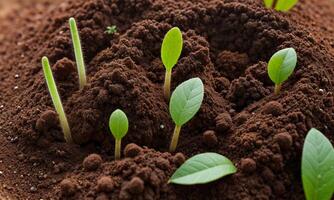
{"x": 226, "y": 43}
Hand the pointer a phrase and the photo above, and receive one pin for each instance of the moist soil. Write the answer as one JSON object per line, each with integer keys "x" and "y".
{"x": 226, "y": 43}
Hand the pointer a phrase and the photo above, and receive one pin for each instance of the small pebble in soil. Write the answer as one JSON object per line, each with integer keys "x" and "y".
{"x": 33, "y": 189}
{"x": 223, "y": 122}
{"x": 162, "y": 126}
{"x": 17, "y": 76}
{"x": 2, "y": 106}
{"x": 105, "y": 184}
{"x": 135, "y": 186}
{"x": 273, "y": 107}
{"x": 92, "y": 162}
{"x": 179, "y": 159}
{"x": 68, "y": 187}
{"x": 247, "y": 165}
{"x": 132, "y": 150}
{"x": 210, "y": 138}
{"x": 16, "y": 87}
{"x": 284, "y": 140}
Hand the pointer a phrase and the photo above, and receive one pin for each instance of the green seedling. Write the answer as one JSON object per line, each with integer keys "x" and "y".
{"x": 111, "y": 30}
{"x": 119, "y": 125}
{"x": 170, "y": 53}
{"x": 184, "y": 104}
{"x": 203, "y": 168}
{"x": 78, "y": 53}
{"x": 317, "y": 166}
{"x": 56, "y": 99}
{"x": 280, "y": 66}
{"x": 280, "y": 5}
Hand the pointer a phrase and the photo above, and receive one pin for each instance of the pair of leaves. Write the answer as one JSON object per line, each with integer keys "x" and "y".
{"x": 186, "y": 100}
{"x": 281, "y": 5}
{"x": 281, "y": 65}
{"x": 203, "y": 168}
{"x": 171, "y": 48}
{"x": 318, "y": 166}
{"x": 118, "y": 124}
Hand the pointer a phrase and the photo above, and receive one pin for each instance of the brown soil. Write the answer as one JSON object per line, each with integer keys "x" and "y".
{"x": 226, "y": 43}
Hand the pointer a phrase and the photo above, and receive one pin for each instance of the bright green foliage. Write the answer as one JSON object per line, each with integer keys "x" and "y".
{"x": 203, "y": 168}
{"x": 111, "y": 30}
{"x": 78, "y": 53}
{"x": 318, "y": 166}
{"x": 118, "y": 124}
{"x": 56, "y": 99}
{"x": 171, "y": 48}
{"x": 281, "y": 5}
{"x": 186, "y": 100}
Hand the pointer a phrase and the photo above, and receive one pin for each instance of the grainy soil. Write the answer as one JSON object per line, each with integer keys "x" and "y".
{"x": 227, "y": 43}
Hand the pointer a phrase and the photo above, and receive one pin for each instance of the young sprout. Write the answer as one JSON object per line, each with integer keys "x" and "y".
{"x": 78, "y": 53}
{"x": 184, "y": 104}
{"x": 111, "y": 30}
{"x": 203, "y": 168}
{"x": 119, "y": 125}
{"x": 281, "y": 65}
{"x": 280, "y": 5}
{"x": 56, "y": 99}
{"x": 170, "y": 53}
{"x": 317, "y": 166}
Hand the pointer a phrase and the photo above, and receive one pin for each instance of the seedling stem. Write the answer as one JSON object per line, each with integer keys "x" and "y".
{"x": 118, "y": 144}
{"x": 175, "y": 138}
{"x": 278, "y": 88}
{"x": 168, "y": 77}
{"x": 56, "y": 99}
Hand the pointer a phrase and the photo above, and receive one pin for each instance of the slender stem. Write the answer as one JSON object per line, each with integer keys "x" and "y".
{"x": 277, "y": 89}
{"x": 78, "y": 53}
{"x": 56, "y": 99}
{"x": 117, "y": 149}
{"x": 168, "y": 77}
{"x": 274, "y": 3}
{"x": 175, "y": 138}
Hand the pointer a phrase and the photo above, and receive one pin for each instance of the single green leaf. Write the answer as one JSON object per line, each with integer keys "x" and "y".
{"x": 203, "y": 168}
{"x": 171, "y": 48}
{"x": 118, "y": 124}
{"x": 186, "y": 100}
{"x": 268, "y": 3}
{"x": 282, "y": 64}
{"x": 318, "y": 166}
{"x": 285, "y": 5}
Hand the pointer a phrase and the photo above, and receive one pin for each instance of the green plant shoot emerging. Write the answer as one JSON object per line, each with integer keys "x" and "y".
{"x": 56, "y": 99}
{"x": 184, "y": 104}
{"x": 203, "y": 168}
{"x": 318, "y": 166}
{"x": 78, "y": 53}
{"x": 281, "y": 65}
{"x": 119, "y": 125}
{"x": 170, "y": 53}
{"x": 111, "y": 30}
{"x": 280, "y": 5}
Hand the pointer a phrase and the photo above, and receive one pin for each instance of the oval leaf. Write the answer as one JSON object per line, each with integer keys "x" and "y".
{"x": 171, "y": 48}
{"x": 318, "y": 166}
{"x": 281, "y": 65}
{"x": 203, "y": 168}
{"x": 118, "y": 124}
{"x": 285, "y": 5}
{"x": 186, "y": 100}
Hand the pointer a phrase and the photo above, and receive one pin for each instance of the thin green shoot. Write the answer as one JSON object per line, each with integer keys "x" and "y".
{"x": 119, "y": 125}
{"x": 280, "y": 5}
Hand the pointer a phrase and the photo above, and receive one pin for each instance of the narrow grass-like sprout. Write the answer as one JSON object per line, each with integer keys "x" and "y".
{"x": 318, "y": 166}
{"x": 56, "y": 99}
{"x": 185, "y": 102}
{"x": 111, "y": 30}
{"x": 119, "y": 125}
{"x": 78, "y": 53}
{"x": 280, "y": 5}
{"x": 281, "y": 65}
{"x": 171, "y": 49}
{"x": 203, "y": 168}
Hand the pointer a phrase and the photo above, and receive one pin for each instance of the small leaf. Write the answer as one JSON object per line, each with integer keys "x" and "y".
{"x": 203, "y": 168}
{"x": 285, "y": 5}
{"x": 268, "y": 3}
{"x": 281, "y": 65}
{"x": 186, "y": 100}
{"x": 318, "y": 166}
{"x": 171, "y": 48}
{"x": 118, "y": 124}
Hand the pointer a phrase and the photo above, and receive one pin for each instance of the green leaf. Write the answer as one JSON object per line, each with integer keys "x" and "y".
{"x": 318, "y": 166}
{"x": 268, "y": 3}
{"x": 285, "y": 5}
{"x": 203, "y": 168}
{"x": 186, "y": 100}
{"x": 281, "y": 65}
{"x": 171, "y": 48}
{"x": 118, "y": 124}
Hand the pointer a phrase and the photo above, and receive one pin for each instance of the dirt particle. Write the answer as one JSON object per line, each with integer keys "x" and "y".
{"x": 63, "y": 68}
{"x": 68, "y": 187}
{"x": 105, "y": 184}
{"x": 275, "y": 108}
{"x": 92, "y": 162}
{"x": 179, "y": 159}
{"x": 210, "y": 138}
{"x": 248, "y": 165}
{"x": 223, "y": 122}
{"x": 132, "y": 150}
{"x": 241, "y": 118}
{"x": 102, "y": 196}
{"x": 279, "y": 188}
{"x": 47, "y": 120}
{"x": 135, "y": 186}
{"x": 284, "y": 140}
{"x": 163, "y": 163}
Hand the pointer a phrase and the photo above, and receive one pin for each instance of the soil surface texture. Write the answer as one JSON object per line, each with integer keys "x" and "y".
{"x": 227, "y": 43}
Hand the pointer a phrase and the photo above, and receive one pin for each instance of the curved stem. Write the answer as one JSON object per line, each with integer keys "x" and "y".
{"x": 175, "y": 138}
{"x": 168, "y": 78}
{"x": 278, "y": 89}
{"x": 117, "y": 149}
